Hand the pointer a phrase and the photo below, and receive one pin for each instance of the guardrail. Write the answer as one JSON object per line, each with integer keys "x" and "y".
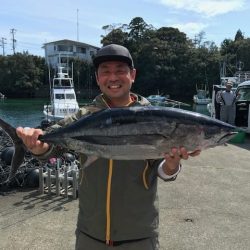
{"x": 61, "y": 180}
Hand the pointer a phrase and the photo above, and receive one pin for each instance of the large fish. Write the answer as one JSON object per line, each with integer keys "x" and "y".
{"x": 132, "y": 133}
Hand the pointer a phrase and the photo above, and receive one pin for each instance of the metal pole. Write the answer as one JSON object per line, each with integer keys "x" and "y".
{"x": 49, "y": 181}
{"x": 74, "y": 184}
{"x": 66, "y": 182}
{"x": 41, "y": 182}
{"x": 57, "y": 183}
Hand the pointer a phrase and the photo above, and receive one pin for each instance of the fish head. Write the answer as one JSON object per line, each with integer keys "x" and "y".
{"x": 227, "y": 137}
{"x": 218, "y": 133}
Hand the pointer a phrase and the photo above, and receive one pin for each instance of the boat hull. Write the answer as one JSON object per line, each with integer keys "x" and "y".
{"x": 201, "y": 101}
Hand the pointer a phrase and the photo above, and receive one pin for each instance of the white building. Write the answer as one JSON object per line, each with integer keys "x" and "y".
{"x": 59, "y": 52}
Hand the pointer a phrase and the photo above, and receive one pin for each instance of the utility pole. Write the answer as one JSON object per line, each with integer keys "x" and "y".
{"x": 13, "y": 31}
{"x": 3, "y": 43}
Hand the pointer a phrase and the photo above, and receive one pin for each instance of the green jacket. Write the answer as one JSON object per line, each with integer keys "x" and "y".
{"x": 117, "y": 198}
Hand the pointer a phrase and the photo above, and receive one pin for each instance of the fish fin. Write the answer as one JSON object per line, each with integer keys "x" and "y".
{"x": 20, "y": 149}
{"x": 17, "y": 160}
{"x": 91, "y": 159}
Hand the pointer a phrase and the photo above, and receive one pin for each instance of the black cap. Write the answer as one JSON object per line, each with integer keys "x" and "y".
{"x": 113, "y": 52}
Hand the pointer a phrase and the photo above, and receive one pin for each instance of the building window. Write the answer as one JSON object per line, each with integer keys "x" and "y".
{"x": 81, "y": 50}
{"x": 64, "y": 48}
{"x": 91, "y": 52}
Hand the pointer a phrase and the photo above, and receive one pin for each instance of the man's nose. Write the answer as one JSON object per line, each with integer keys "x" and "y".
{"x": 113, "y": 76}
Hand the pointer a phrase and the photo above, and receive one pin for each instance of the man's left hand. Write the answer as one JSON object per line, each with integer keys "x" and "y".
{"x": 173, "y": 158}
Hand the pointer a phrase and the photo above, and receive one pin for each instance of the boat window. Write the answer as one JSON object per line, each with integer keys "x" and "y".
{"x": 70, "y": 96}
{"x": 59, "y": 96}
{"x": 57, "y": 82}
{"x": 62, "y": 83}
{"x": 244, "y": 94}
{"x": 65, "y": 82}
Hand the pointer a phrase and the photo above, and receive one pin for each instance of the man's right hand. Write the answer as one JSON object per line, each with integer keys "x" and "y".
{"x": 29, "y": 137}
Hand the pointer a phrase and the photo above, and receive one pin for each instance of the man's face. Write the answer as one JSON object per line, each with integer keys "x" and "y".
{"x": 228, "y": 87}
{"x": 115, "y": 79}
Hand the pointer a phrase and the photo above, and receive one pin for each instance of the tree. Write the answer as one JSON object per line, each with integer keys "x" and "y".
{"x": 22, "y": 74}
{"x": 115, "y": 36}
{"x": 238, "y": 36}
{"x": 137, "y": 28}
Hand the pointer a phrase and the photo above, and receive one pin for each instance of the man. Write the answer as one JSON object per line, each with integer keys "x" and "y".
{"x": 227, "y": 100}
{"x": 117, "y": 199}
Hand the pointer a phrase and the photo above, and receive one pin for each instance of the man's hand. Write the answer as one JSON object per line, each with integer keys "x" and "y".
{"x": 29, "y": 137}
{"x": 173, "y": 158}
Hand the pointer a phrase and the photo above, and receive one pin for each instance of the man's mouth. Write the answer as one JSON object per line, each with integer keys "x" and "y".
{"x": 114, "y": 86}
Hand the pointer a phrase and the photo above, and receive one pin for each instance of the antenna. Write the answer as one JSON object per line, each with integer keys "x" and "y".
{"x": 77, "y": 23}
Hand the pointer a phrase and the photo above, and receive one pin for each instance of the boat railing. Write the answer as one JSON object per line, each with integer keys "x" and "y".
{"x": 62, "y": 87}
{"x": 243, "y": 76}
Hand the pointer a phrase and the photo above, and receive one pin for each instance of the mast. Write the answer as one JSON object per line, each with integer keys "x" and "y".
{"x": 77, "y": 25}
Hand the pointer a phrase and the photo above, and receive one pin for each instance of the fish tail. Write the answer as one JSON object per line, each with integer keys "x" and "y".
{"x": 20, "y": 150}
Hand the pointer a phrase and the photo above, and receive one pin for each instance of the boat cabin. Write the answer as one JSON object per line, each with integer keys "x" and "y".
{"x": 62, "y": 97}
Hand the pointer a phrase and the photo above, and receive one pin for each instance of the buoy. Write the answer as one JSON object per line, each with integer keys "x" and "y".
{"x": 32, "y": 178}
{"x": 45, "y": 123}
{"x": 7, "y": 154}
{"x": 69, "y": 157}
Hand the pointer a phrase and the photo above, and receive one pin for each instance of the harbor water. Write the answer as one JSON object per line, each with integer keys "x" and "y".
{"x": 29, "y": 112}
{"x": 22, "y": 112}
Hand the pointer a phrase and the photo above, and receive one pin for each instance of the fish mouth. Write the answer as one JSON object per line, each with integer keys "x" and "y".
{"x": 227, "y": 137}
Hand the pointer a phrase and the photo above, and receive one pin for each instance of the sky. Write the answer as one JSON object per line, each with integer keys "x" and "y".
{"x": 37, "y": 22}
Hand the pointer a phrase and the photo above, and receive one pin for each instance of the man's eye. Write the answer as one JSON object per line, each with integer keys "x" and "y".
{"x": 104, "y": 72}
{"x": 121, "y": 72}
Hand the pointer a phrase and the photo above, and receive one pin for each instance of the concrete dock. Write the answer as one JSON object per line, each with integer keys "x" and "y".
{"x": 207, "y": 207}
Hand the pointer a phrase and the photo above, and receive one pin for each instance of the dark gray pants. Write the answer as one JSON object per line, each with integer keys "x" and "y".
{"x": 227, "y": 114}
{"x": 83, "y": 242}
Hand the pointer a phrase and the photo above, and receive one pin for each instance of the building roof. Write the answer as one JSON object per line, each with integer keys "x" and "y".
{"x": 66, "y": 41}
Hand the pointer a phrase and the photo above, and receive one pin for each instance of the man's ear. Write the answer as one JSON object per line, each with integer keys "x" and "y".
{"x": 133, "y": 74}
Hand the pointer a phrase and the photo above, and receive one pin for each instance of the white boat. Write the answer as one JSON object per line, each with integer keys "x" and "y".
{"x": 159, "y": 100}
{"x": 62, "y": 97}
{"x": 202, "y": 96}
{"x": 2, "y": 96}
{"x": 156, "y": 99}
